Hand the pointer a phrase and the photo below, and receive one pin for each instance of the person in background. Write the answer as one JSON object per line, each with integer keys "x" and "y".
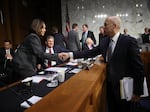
{"x": 73, "y": 43}
{"x": 59, "y": 37}
{"x": 86, "y": 33}
{"x": 125, "y": 32}
{"x": 6, "y": 57}
{"x": 52, "y": 49}
{"x": 122, "y": 55}
{"x": 89, "y": 44}
{"x": 145, "y": 36}
{"x": 101, "y": 33}
{"x": 149, "y": 35}
{"x": 30, "y": 51}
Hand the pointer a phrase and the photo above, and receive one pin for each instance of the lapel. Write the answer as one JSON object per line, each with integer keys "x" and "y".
{"x": 117, "y": 47}
{"x": 4, "y": 51}
{"x": 55, "y": 49}
{"x": 105, "y": 46}
{"x": 11, "y": 51}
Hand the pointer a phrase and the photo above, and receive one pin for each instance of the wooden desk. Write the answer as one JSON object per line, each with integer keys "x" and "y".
{"x": 84, "y": 92}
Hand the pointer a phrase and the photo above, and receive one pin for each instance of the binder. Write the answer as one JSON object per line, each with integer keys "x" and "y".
{"x": 126, "y": 88}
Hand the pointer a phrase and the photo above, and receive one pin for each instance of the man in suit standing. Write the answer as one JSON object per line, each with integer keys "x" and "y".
{"x": 73, "y": 39}
{"x": 101, "y": 33}
{"x": 145, "y": 36}
{"x": 6, "y": 56}
{"x": 86, "y": 33}
{"x": 59, "y": 37}
{"x": 121, "y": 53}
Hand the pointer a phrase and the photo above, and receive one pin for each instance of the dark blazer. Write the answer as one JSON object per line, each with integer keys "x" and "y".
{"x": 89, "y": 34}
{"x": 145, "y": 38}
{"x": 125, "y": 61}
{"x": 3, "y": 59}
{"x": 101, "y": 36}
{"x": 59, "y": 40}
{"x": 27, "y": 55}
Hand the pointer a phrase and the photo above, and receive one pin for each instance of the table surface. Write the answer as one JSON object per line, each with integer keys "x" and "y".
{"x": 13, "y": 95}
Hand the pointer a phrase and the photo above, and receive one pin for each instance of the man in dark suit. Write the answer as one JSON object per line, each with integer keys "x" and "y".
{"x": 123, "y": 61}
{"x": 51, "y": 48}
{"x": 145, "y": 36}
{"x": 86, "y": 33}
{"x": 6, "y": 56}
{"x": 101, "y": 33}
{"x": 59, "y": 37}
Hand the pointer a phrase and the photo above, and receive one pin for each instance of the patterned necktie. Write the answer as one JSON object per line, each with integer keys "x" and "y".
{"x": 49, "y": 61}
{"x": 109, "y": 50}
{"x": 84, "y": 37}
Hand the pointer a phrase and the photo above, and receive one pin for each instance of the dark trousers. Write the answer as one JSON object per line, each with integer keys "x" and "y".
{"x": 114, "y": 102}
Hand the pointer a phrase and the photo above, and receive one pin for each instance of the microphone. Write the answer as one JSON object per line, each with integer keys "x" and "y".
{"x": 87, "y": 66}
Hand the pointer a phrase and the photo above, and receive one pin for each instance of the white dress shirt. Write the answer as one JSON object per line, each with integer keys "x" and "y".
{"x": 52, "y": 52}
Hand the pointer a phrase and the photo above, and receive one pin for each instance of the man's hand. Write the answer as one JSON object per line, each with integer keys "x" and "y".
{"x": 135, "y": 98}
{"x": 63, "y": 56}
{"x": 9, "y": 56}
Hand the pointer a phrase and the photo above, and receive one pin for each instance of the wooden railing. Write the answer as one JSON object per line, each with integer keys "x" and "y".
{"x": 84, "y": 92}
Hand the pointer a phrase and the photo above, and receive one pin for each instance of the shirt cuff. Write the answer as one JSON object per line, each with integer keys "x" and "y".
{"x": 71, "y": 55}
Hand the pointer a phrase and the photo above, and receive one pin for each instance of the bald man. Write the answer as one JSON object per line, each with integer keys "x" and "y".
{"x": 124, "y": 61}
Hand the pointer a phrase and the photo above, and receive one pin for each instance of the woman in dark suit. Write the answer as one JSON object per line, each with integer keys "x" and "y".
{"x": 30, "y": 50}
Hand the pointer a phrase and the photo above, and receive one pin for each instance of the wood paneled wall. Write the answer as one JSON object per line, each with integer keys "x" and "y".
{"x": 18, "y": 15}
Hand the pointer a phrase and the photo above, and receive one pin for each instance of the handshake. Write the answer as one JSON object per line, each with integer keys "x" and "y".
{"x": 64, "y": 56}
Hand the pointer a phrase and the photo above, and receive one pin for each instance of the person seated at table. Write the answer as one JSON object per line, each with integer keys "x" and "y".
{"x": 6, "y": 56}
{"x": 89, "y": 44}
{"x": 51, "y": 48}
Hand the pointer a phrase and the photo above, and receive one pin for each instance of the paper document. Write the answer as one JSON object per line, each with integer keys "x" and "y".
{"x": 76, "y": 70}
{"x": 126, "y": 88}
{"x": 39, "y": 78}
{"x": 32, "y": 100}
{"x": 145, "y": 89}
{"x": 56, "y": 69}
{"x": 72, "y": 63}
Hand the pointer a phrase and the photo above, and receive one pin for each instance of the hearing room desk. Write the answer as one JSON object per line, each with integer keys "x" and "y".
{"x": 83, "y": 92}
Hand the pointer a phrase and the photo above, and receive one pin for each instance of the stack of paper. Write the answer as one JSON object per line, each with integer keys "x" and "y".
{"x": 39, "y": 78}
{"x": 126, "y": 88}
{"x": 56, "y": 69}
{"x": 76, "y": 70}
{"x": 30, "y": 101}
